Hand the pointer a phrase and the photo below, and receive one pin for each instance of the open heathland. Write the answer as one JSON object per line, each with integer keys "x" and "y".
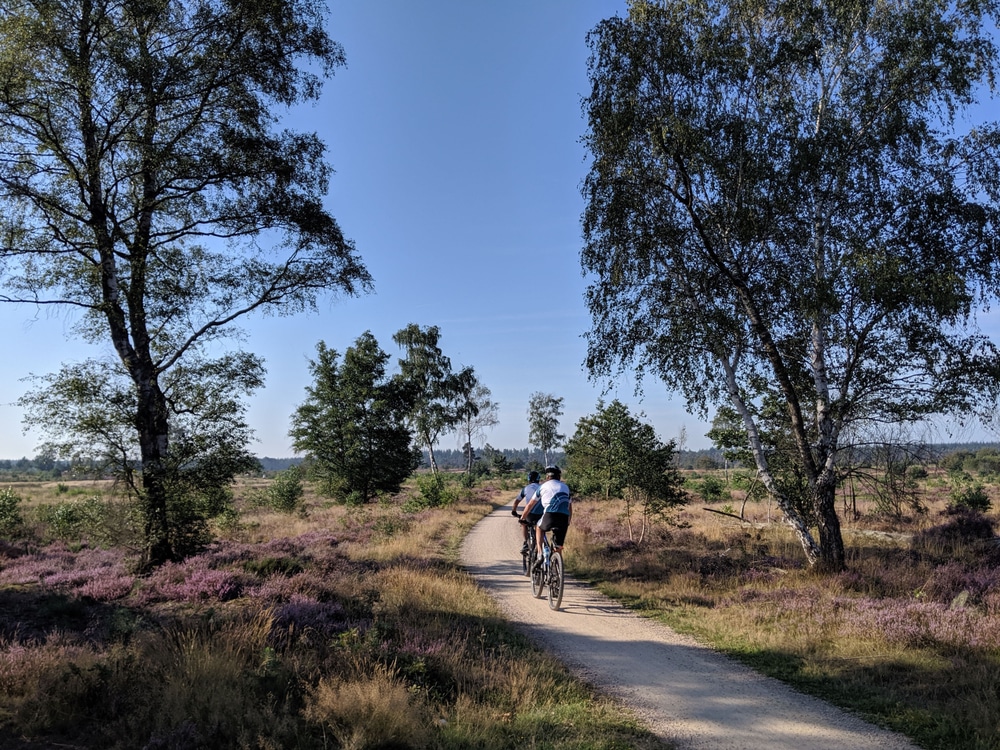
{"x": 338, "y": 626}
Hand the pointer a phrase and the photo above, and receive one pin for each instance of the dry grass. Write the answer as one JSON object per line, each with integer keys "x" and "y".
{"x": 909, "y": 635}
{"x": 333, "y": 627}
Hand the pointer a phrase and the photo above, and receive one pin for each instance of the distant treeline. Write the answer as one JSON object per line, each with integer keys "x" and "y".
{"x": 526, "y": 459}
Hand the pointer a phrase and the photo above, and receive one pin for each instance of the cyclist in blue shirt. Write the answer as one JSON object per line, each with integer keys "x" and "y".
{"x": 557, "y": 509}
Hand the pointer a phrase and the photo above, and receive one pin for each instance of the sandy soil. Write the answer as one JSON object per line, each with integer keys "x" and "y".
{"x": 686, "y": 693}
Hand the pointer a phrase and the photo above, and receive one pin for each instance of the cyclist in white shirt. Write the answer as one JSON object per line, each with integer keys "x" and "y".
{"x": 557, "y": 509}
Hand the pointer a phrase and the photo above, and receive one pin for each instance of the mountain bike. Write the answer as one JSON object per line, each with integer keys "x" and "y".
{"x": 528, "y": 551}
{"x": 549, "y": 574}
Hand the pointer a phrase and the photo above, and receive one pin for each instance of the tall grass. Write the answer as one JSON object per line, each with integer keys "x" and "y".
{"x": 329, "y": 627}
{"x": 908, "y": 636}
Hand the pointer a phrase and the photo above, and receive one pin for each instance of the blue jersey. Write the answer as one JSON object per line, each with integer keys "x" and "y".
{"x": 554, "y": 497}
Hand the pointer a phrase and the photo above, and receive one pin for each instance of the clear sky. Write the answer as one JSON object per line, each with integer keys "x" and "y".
{"x": 455, "y": 134}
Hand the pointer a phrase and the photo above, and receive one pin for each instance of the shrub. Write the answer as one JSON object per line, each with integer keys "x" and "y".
{"x": 11, "y": 522}
{"x": 433, "y": 492}
{"x": 712, "y": 489}
{"x": 64, "y": 520}
{"x": 973, "y": 497}
{"x": 285, "y": 493}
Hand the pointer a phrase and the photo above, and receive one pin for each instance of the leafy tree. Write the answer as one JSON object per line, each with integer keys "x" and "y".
{"x": 352, "y": 425}
{"x": 476, "y": 411}
{"x": 621, "y": 456}
{"x": 781, "y": 212}
{"x": 544, "y": 410}
{"x": 598, "y": 454}
{"x": 145, "y": 185}
{"x": 427, "y": 372}
{"x": 87, "y": 411}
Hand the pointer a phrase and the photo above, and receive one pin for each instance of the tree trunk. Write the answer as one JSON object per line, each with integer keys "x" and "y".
{"x": 831, "y": 541}
{"x": 151, "y": 421}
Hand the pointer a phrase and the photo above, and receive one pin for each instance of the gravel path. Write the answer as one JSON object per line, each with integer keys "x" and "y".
{"x": 686, "y": 693}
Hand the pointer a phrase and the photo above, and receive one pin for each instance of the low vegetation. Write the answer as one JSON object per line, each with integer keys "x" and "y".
{"x": 310, "y": 624}
{"x": 306, "y": 624}
{"x": 908, "y": 636}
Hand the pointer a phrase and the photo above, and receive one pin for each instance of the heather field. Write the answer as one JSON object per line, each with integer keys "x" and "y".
{"x": 322, "y": 627}
{"x": 327, "y": 626}
{"x": 908, "y": 636}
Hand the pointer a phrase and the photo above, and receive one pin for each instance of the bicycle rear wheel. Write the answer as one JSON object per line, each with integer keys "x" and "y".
{"x": 556, "y": 580}
{"x": 537, "y": 578}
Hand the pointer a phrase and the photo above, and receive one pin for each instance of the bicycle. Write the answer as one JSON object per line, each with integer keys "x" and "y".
{"x": 549, "y": 574}
{"x": 528, "y": 551}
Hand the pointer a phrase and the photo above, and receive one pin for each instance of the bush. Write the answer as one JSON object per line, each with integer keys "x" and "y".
{"x": 64, "y": 519}
{"x": 964, "y": 527}
{"x": 285, "y": 493}
{"x": 973, "y": 497}
{"x": 11, "y": 521}
{"x": 712, "y": 489}
{"x": 434, "y": 492}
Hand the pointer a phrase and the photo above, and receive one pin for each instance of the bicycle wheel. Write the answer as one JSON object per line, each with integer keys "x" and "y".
{"x": 537, "y": 579}
{"x": 556, "y": 580}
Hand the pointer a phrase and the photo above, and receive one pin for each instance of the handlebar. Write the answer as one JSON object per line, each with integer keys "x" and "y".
{"x": 515, "y": 514}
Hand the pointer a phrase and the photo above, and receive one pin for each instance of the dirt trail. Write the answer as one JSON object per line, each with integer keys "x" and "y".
{"x": 686, "y": 693}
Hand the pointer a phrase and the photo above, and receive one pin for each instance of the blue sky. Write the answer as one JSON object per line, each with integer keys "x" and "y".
{"x": 455, "y": 133}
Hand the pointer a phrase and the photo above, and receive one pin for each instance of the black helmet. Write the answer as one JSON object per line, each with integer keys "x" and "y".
{"x": 533, "y": 476}
{"x": 553, "y": 471}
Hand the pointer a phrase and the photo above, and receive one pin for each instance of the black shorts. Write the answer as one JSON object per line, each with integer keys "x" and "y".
{"x": 532, "y": 519}
{"x": 558, "y": 524}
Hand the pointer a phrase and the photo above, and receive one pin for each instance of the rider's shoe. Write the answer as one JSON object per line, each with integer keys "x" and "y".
{"x": 524, "y": 548}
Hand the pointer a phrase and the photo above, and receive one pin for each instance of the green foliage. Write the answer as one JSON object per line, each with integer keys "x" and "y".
{"x": 434, "y": 391}
{"x": 619, "y": 454}
{"x": 498, "y": 463}
{"x": 65, "y": 520}
{"x": 476, "y": 411}
{"x": 757, "y": 236}
{"x": 972, "y": 497}
{"x": 138, "y": 101}
{"x": 106, "y": 523}
{"x": 544, "y": 410}
{"x": 11, "y": 521}
{"x": 285, "y": 492}
{"x": 601, "y": 452}
{"x": 353, "y": 424}
{"x": 434, "y": 492}
{"x": 712, "y": 489}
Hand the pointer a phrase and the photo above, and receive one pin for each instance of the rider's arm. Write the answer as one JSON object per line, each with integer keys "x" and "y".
{"x": 517, "y": 501}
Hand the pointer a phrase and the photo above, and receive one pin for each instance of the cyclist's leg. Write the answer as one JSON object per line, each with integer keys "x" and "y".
{"x": 559, "y": 524}
{"x": 546, "y": 524}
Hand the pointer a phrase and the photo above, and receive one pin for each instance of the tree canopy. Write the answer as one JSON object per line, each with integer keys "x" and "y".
{"x": 544, "y": 410}
{"x": 146, "y": 184}
{"x": 352, "y": 425}
{"x": 782, "y": 207}
{"x": 437, "y": 390}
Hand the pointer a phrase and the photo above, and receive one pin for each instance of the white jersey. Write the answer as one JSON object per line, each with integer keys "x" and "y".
{"x": 554, "y": 497}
